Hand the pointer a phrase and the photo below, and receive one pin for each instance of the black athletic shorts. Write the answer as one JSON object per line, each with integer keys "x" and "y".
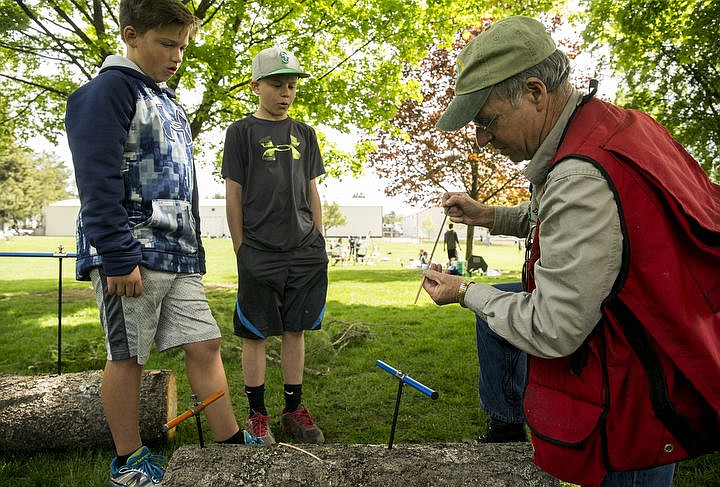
{"x": 280, "y": 291}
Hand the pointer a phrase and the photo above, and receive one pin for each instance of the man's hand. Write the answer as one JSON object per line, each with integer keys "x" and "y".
{"x": 129, "y": 285}
{"x": 441, "y": 287}
{"x": 461, "y": 208}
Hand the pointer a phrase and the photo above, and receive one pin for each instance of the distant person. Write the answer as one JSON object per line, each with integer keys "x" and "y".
{"x": 361, "y": 251}
{"x": 270, "y": 163}
{"x": 338, "y": 252}
{"x": 351, "y": 245}
{"x": 424, "y": 260}
{"x": 452, "y": 242}
{"x": 618, "y": 312}
{"x": 139, "y": 236}
{"x": 452, "y": 267}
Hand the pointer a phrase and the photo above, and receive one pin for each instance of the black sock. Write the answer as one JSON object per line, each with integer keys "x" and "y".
{"x": 256, "y": 398}
{"x": 122, "y": 460}
{"x": 293, "y": 396}
{"x": 236, "y": 439}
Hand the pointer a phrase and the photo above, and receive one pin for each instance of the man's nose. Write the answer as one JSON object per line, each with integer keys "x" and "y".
{"x": 483, "y": 138}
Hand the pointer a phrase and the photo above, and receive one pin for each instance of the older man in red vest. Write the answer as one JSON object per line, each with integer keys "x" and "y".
{"x": 620, "y": 310}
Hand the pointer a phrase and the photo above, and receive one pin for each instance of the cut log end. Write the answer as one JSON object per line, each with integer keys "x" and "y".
{"x": 54, "y": 412}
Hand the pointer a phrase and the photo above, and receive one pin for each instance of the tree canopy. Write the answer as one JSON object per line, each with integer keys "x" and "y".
{"x": 420, "y": 162}
{"x": 28, "y": 182}
{"x": 332, "y": 216}
{"x": 355, "y": 50}
{"x": 668, "y": 57}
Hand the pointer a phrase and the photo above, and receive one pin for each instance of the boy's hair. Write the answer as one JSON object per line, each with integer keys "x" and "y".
{"x": 151, "y": 14}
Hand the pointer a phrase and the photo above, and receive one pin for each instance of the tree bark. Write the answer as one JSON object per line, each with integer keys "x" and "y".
{"x": 436, "y": 465}
{"x": 52, "y": 412}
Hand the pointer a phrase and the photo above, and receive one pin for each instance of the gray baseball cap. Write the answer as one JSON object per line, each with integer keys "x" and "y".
{"x": 506, "y": 48}
{"x": 275, "y": 60}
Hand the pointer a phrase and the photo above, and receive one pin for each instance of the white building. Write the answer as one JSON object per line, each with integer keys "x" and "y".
{"x": 60, "y": 219}
{"x": 361, "y": 221}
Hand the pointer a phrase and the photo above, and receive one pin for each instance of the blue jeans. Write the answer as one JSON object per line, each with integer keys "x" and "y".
{"x": 649, "y": 477}
{"x": 503, "y": 371}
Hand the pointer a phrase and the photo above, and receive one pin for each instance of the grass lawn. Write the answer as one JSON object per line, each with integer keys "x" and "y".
{"x": 370, "y": 316}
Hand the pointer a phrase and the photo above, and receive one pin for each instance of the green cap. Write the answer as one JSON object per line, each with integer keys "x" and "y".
{"x": 275, "y": 60}
{"x": 506, "y": 48}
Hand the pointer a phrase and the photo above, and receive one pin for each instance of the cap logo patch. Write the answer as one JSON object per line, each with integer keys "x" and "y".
{"x": 284, "y": 58}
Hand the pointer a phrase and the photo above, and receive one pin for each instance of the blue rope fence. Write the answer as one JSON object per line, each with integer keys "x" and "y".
{"x": 60, "y": 254}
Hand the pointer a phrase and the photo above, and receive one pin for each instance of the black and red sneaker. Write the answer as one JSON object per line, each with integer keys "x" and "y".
{"x": 300, "y": 425}
{"x": 258, "y": 425}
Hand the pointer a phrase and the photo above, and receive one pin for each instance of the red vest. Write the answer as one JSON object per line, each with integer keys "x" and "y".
{"x": 644, "y": 388}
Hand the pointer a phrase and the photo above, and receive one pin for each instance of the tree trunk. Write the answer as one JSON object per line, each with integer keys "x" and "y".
{"x": 51, "y": 412}
{"x": 469, "y": 241}
{"x": 434, "y": 465}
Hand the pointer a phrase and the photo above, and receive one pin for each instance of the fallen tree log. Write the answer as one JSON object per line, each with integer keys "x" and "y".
{"x": 457, "y": 464}
{"x": 52, "y": 412}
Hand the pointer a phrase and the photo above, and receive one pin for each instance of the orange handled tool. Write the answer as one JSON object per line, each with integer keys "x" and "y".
{"x": 193, "y": 411}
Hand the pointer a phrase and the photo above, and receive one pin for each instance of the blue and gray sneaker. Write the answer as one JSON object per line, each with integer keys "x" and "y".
{"x": 142, "y": 469}
{"x": 252, "y": 440}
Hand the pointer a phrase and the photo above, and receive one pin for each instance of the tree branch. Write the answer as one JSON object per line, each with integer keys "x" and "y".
{"x": 56, "y": 41}
{"x": 35, "y": 85}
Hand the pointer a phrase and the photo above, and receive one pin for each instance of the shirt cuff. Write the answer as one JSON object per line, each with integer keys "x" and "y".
{"x": 477, "y": 296}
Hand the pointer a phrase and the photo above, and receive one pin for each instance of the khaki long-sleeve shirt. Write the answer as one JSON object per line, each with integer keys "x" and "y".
{"x": 580, "y": 248}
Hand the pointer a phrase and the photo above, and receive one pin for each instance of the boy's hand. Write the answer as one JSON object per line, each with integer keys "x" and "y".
{"x": 442, "y": 288}
{"x": 129, "y": 285}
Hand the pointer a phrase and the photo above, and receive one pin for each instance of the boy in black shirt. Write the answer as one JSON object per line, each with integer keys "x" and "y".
{"x": 270, "y": 163}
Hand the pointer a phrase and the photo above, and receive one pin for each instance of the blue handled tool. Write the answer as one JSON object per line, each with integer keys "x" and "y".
{"x": 404, "y": 379}
{"x": 407, "y": 380}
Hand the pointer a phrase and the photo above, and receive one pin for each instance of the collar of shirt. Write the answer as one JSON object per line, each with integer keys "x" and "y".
{"x": 536, "y": 171}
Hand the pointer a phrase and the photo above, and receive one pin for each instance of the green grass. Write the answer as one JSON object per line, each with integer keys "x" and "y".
{"x": 370, "y": 315}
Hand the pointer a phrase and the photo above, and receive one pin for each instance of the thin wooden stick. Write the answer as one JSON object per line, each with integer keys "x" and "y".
{"x": 194, "y": 410}
{"x": 300, "y": 449}
{"x": 442, "y": 225}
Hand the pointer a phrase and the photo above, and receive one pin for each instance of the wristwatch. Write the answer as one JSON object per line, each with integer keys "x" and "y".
{"x": 461, "y": 292}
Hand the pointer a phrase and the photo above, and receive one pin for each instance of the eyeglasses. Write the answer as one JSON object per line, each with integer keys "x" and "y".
{"x": 483, "y": 128}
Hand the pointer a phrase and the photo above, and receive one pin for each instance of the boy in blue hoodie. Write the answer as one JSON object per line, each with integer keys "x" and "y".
{"x": 139, "y": 228}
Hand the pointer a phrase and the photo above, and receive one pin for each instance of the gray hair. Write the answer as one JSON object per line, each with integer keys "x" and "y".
{"x": 553, "y": 71}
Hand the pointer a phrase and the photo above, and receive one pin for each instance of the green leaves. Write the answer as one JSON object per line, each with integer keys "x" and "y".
{"x": 355, "y": 49}
{"x": 667, "y": 56}
{"x": 27, "y": 183}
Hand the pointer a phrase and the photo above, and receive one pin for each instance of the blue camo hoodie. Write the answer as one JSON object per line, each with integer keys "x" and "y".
{"x": 132, "y": 152}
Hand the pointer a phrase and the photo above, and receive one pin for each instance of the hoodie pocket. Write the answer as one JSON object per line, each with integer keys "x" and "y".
{"x": 170, "y": 228}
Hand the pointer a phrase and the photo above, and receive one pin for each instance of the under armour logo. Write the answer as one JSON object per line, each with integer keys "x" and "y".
{"x": 175, "y": 127}
{"x": 271, "y": 148}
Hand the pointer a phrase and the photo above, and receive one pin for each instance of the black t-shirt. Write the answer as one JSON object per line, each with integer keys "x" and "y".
{"x": 273, "y": 161}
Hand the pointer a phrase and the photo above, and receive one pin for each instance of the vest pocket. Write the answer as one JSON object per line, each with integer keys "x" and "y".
{"x": 559, "y": 418}
{"x": 567, "y": 435}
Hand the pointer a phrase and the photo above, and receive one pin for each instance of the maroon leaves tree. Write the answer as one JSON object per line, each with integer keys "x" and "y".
{"x": 420, "y": 162}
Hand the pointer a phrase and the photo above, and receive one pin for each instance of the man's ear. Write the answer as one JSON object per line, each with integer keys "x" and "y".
{"x": 536, "y": 92}
{"x": 130, "y": 36}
